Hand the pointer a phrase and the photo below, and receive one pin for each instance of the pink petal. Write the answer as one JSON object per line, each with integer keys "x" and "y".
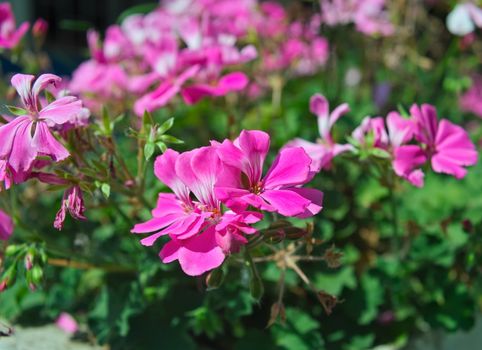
{"x": 316, "y": 151}
{"x": 314, "y": 196}
{"x": 170, "y": 251}
{"x": 8, "y": 132}
{"x": 63, "y": 110}
{"x": 23, "y": 151}
{"x": 200, "y": 254}
{"x": 46, "y": 144}
{"x": 290, "y": 168}
{"x": 319, "y": 106}
{"x": 255, "y": 146}
{"x": 23, "y": 84}
{"x": 407, "y": 158}
{"x": 426, "y": 119}
{"x": 286, "y": 202}
{"x": 198, "y": 169}
{"x": 43, "y": 81}
{"x": 164, "y": 168}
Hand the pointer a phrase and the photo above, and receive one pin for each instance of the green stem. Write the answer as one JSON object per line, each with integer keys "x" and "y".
{"x": 394, "y": 217}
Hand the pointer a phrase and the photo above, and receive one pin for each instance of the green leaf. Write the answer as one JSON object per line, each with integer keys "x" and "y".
{"x": 106, "y": 121}
{"x": 170, "y": 139}
{"x": 17, "y": 110}
{"x": 165, "y": 126}
{"x": 149, "y": 149}
{"x": 75, "y": 25}
{"x": 380, "y": 153}
{"x": 162, "y": 146}
{"x": 49, "y": 96}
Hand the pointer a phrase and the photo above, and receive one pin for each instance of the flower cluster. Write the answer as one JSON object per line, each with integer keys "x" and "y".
{"x": 196, "y": 49}
{"x": 219, "y": 191}
{"x": 408, "y": 142}
{"x": 369, "y": 16}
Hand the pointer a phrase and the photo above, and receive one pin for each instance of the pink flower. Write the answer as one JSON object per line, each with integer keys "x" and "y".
{"x": 369, "y": 16}
{"x": 6, "y": 226}
{"x": 73, "y": 202}
{"x": 235, "y": 81}
{"x": 242, "y": 184}
{"x": 28, "y": 136}
{"x": 447, "y": 145}
{"x": 323, "y": 152}
{"x": 67, "y": 323}
{"x": 101, "y": 78}
{"x": 9, "y": 35}
{"x": 166, "y": 91}
{"x": 405, "y": 158}
{"x": 471, "y": 100}
{"x": 200, "y": 234}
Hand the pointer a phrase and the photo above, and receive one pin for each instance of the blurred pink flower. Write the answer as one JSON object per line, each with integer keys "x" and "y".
{"x": 471, "y": 100}
{"x": 231, "y": 82}
{"x": 9, "y": 34}
{"x": 369, "y": 16}
{"x": 325, "y": 149}
{"x": 67, "y": 323}
{"x": 6, "y": 226}
{"x": 447, "y": 145}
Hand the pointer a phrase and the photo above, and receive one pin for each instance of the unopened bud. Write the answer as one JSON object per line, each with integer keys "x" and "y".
{"x": 37, "y": 274}
{"x": 3, "y": 285}
{"x": 39, "y": 28}
{"x": 28, "y": 261}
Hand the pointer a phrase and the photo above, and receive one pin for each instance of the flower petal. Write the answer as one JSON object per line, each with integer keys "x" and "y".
{"x": 290, "y": 168}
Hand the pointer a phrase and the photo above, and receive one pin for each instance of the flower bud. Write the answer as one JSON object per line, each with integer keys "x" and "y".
{"x": 3, "y": 285}
{"x": 37, "y": 274}
{"x": 28, "y": 261}
{"x": 40, "y": 27}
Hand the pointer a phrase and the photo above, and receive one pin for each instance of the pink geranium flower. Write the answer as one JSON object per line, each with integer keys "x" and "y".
{"x": 201, "y": 235}
{"x": 6, "y": 226}
{"x": 279, "y": 190}
{"x": 325, "y": 149}
{"x": 28, "y": 136}
{"x": 447, "y": 145}
{"x": 471, "y": 100}
{"x": 231, "y": 82}
{"x": 9, "y": 34}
